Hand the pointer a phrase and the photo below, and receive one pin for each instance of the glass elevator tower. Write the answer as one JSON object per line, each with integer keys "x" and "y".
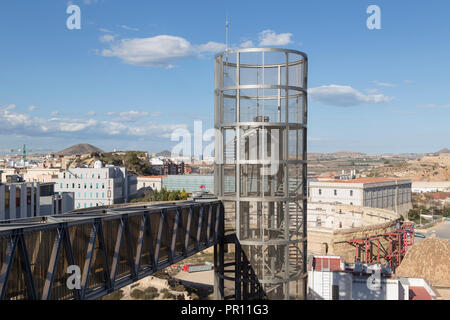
{"x": 260, "y": 170}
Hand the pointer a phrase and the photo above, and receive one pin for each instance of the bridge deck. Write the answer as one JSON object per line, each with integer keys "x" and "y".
{"x": 112, "y": 248}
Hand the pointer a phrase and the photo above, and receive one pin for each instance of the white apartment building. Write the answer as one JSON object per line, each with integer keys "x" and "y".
{"x": 433, "y": 186}
{"x": 99, "y": 186}
{"x": 381, "y": 193}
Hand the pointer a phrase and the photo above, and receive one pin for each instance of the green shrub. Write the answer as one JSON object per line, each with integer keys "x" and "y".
{"x": 137, "y": 294}
{"x": 116, "y": 295}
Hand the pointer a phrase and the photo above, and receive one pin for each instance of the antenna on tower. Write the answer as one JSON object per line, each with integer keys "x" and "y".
{"x": 226, "y": 33}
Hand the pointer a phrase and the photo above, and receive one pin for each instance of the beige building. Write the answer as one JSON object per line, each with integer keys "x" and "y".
{"x": 154, "y": 182}
{"x": 32, "y": 174}
{"x": 380, "y": 193}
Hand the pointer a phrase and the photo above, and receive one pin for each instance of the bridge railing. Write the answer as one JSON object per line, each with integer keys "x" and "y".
{"x": 111, "y": 247}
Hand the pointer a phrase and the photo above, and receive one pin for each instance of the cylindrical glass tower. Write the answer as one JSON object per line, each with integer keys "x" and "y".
{"x": 260, "y": 171}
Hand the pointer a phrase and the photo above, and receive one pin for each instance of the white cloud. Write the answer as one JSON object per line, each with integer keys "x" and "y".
{"x": 22, "y": 123}
{"x": 434, "y": 106}
{"x": 384, "y": 84}
{"x": 270, "y": 38}
{"x": 247, "y": 44}
{"x": 107, "y": 38}
{"x": 129, "y": 28}
{"x": 31, "y": 108}
{"x": 105, "y": 30}
{"x": 344, "y": 96}
{"x": 158, "y": 51}
{"x": 55, "y": 113}
{"x": 91, "y": 113}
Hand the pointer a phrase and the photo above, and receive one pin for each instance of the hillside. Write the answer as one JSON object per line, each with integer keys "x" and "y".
{"x": 135, "y": 161}
{"x": 82, "y": 148}
{"x": 427, "y": 168}
{"x": 164, "y": 153}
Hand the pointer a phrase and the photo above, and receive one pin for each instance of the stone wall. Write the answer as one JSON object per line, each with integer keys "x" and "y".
{"x": 333, "y": 243}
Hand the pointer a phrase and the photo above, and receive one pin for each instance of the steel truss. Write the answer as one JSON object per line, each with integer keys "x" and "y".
{"x": 112, "y": 247}
{"x": 243, "y": 282}
{"x": 372, "y": 250}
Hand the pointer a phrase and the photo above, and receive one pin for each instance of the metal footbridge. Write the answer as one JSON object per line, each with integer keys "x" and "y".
{"x": 112, "y": 247}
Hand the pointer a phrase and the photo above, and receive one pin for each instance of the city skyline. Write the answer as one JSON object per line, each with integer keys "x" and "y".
{"x": 134, "y": 73}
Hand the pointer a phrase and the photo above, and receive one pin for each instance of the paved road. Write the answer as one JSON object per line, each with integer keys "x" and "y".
{"x": 442, "y": 231}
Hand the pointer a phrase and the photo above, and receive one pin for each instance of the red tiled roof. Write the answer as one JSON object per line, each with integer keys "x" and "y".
{"x": 418, "y": 293}
{"x": 363, "y": 180}
{"x": 440, "y": 195}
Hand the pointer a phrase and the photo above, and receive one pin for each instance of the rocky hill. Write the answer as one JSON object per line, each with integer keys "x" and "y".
{"x": 78, "y": 149}
{"x": 427, "y": 168}
{"x": 135, "y": 161}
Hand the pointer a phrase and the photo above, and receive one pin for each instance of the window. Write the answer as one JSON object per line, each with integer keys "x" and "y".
{"x": 335, "y": 192}
{"x": 81, "y": 176}
{"x": 67, "y": 186}
{"x": 99, "y": 175}
{"x": 103, "y": 186}
{"x": 96, "y": 185}
{"x": 96, "y": 194}
{"x": 103, "y": 194}
{"x": 93, "y": 175}
{"x": 85, "y": 185}
{"x": 351, "y": 193}
{"x": 79, "y": 186}
{"x": 91, "y": 185}
{"x": 60, "y": 185}
{"x": 79, "y": 194}
{"x": 320, "y": 192}
{"x": 73, "y": 185}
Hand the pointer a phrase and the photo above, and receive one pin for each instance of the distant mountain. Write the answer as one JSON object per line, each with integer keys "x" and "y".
{"x": 165, "y": 153}
{"x": 81, "y": 148}
{"x": 445, "y": 150}
{"x": 346, "y": 153}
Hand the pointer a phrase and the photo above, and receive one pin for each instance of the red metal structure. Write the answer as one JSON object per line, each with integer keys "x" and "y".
{"x": 390, "y": 247}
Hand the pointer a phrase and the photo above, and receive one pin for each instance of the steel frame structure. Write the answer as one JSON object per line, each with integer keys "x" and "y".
{"x": 261, "y": 122}
{"x": 372, "y": 250}
{"x": 112, "y": 247}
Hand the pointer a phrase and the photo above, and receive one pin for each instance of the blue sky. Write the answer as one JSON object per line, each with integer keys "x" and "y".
{"x": 137, "y": 70}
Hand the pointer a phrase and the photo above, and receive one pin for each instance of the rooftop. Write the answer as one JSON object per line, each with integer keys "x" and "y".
{"x": 363, "y": 180}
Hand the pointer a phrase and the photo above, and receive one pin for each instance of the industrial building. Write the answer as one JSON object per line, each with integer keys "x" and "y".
{"x": 366, "y": 192}
{"x": 331, "y": 278}
{"x": 98, "y": 186}
{"x": 190, "y": 183}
